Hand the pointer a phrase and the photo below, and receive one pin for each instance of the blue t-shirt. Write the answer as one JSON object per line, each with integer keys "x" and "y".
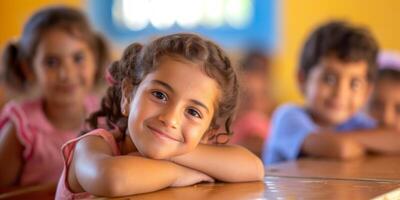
{"x": 290, "y": 126}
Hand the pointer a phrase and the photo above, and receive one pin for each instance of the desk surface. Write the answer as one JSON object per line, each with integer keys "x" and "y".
{"x": 374, "y": 168}
{"x": 364, "y": 178}
{"x": 271, "y": 188}
{"x": 276, "y": 188}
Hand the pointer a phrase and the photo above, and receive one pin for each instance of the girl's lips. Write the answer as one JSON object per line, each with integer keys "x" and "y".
{"x": 335, "y": 105}
{"x": 66, "y": 88}
{"x": 162, "y": 134}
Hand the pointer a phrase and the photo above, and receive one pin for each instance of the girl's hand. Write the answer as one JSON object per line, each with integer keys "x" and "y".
{"x": 189, "y": 176}
{"x": 186, "y": 176}
{"x": 135, "y": 153}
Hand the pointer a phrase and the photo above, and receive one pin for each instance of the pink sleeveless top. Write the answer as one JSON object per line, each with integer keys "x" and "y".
{"x": 42, "y": 143}
{"x": 253, "y": 123}
{"x": 63, "y": 191}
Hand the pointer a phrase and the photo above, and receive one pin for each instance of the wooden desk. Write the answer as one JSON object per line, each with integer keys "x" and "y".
{"x": 42, "y": 192}
{"x": 275, "y": 188}
{"x": 364, "y": 178}
{"x": 271, "y": 188}
{"x": 372, "y": 168}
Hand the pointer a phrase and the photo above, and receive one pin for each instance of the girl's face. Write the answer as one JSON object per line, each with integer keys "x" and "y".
{"x": 385, "y": 103}
{"x": 171, "y": 109}
{"x": 64, "y": 66}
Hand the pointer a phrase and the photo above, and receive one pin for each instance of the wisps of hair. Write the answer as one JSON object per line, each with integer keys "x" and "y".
{"x": 348, "y": 43}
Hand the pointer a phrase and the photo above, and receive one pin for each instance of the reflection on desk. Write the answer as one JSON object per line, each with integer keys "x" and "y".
{"x": 379, "y": 168}
{"x": 310, "y": 179}
{"x": 42, "y": 192}
{"x": 310, "y": 189}
{"x": 271, "y": 188}
{"x": 276, "y": 188}
{"x": 209, "y": 191}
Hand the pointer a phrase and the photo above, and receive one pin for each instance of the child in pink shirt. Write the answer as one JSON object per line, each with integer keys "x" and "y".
{"x": 60, "y": 52}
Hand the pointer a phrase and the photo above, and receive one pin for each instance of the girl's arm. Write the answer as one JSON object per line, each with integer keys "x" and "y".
{"x": 384, "y": 141}
{"x": 352, "y": 144}
{"x": 10, "y": 153}
{"x": 332, "y": 145}
{"x": 100, "y": 173}
{"x": 223, "y": 162}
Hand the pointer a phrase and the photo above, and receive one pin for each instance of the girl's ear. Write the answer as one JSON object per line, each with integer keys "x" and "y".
{"x": 301, "y": 80}
{"x": 210, "y": 133}
{"x": 126, "y": 90}
{"x": 28, "y": 72}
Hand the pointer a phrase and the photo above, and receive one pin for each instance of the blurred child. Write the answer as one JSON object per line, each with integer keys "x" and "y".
{"x": 251, "y": 124}
{"x": 384, "y": 104}
{"x": 337, "y": 68}
{"x": 60, "y": 52}
{"x": 166, "y": 98}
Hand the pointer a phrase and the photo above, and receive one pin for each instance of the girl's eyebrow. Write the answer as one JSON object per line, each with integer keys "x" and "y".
{"x": 164, "y": 84}
{"x": 200, "y": 104}
{"x": 168, "y": 87}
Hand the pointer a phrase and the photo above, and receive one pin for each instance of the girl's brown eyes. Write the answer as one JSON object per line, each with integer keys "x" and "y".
{"x": 194, "y": 113}
{"x": 79, "y": 58}
{"x": 51, "y": 62}
{"x": 160, "y": 95}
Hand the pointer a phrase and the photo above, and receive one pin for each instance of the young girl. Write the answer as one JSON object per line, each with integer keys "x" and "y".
{"x": 384, "y": 103}
{"x": 167, "y": 98}
{"x": 61, "y": 53}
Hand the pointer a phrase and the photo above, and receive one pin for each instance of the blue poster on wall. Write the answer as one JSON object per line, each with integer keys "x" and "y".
{"x": 242, "y": 24}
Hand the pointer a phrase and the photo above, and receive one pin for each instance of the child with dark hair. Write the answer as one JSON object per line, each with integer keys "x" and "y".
{"x": 60, "y": 54}
{"x": 336, "y": 73}
{"x": 384, "y": 103}
{"x": 162, "y": 115}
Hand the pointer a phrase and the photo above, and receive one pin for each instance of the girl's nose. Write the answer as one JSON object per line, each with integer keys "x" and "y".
{"x": 66, "y": 71}
{"x": 170, "y": 117}
{"x": 341, "y": 90}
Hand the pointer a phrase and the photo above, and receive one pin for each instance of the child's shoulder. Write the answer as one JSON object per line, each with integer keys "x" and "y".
{"x": 290, "y": 110}
{"x": 359, "y": 121}
{"x": 25, "y": 105}
{"x": 103, "y": 133}
{"x": 106, "y": 135}
{"x": 23, "y": 112}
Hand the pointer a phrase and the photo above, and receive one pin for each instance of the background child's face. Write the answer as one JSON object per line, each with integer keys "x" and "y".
{"x": 336, "y": 90}
{"x": 385, "y": 103}
{"x": 64, "y": 66}
{"x": 171, "y": 109}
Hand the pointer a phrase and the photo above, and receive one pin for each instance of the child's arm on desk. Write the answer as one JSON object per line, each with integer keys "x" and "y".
{"x": 100, "y": 173}
{"x": 10, "y": 153}
{"x": 383, "y": 141}
{"x": 351, "y": 144}
{"x": 223, "y": 162}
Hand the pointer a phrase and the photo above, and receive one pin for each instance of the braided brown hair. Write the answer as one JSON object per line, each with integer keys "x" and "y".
{"x": 137, "y": 61}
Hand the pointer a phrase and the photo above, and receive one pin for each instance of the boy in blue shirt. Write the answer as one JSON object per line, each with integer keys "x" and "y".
{"x": 336, "y": 73}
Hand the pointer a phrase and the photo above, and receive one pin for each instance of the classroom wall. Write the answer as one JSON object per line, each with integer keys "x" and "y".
{"x": 14, "y": 13}
{"x": 298, "y": 18}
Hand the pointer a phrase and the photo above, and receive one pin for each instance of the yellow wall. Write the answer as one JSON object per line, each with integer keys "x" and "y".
{"x": 14, "y": 13}
{"x": 299, "y": 17}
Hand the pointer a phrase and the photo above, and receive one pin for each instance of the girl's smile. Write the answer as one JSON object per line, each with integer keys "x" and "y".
{"x": 163, "y": 135}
